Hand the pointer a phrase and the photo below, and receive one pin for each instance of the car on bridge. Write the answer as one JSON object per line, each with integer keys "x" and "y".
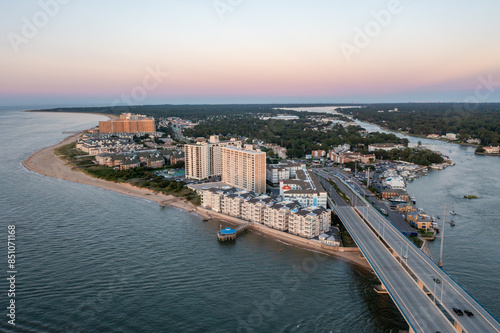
{"x": 468, "y": 313}
{"x": 458, "y": 311}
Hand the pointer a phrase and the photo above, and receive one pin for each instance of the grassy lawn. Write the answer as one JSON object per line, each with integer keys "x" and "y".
{"x": 69, "y": 152}
{"x": 347, "y": 240}
{"x": 416, "y": 240}
{"x": 424, "y": 233}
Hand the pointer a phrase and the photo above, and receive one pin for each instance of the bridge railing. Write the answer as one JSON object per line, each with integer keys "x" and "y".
{"x": 441, "y": 273}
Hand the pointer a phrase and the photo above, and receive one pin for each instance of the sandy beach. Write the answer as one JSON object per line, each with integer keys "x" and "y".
{"x": 46, "y": 163}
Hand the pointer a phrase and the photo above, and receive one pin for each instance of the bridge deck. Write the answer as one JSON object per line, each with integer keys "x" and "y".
{"x": 418, "y": 309}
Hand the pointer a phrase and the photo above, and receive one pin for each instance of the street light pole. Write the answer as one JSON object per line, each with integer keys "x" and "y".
{"x": 435, "y": 283}
{"x": 440, "y": 262}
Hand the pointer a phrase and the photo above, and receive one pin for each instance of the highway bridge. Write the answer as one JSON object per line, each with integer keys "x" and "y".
{"x": 422, "y": 291}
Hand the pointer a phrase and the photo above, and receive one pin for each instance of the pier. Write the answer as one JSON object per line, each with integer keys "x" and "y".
{"x": 229, "y": 234}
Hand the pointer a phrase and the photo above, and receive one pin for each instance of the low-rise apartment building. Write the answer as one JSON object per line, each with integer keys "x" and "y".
{"x": 346, "y": 157}
{"x": 384, "y": 146}
{"x": 395, "y": 193}
{"x": 305, "y": 189}
{"x": 288, "y": 216}
{"x": 152, "y": 159}
{"x": 309, "y": 222}
{"x": 283, "y": 170}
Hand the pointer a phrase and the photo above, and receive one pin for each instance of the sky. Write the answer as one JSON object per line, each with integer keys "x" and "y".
{"x": 124, "y": 52}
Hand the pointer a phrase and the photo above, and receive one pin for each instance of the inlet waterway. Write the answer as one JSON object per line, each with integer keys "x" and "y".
{"x": 471, "y": 248}
{"x": 92, "y": 260}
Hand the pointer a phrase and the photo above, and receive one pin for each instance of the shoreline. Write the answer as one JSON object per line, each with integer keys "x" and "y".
{"x": 109, "y": 115}
{"x": 46, "y": 163}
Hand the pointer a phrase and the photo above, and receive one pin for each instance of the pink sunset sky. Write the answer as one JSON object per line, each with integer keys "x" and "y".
{"x": 95, "y": 53}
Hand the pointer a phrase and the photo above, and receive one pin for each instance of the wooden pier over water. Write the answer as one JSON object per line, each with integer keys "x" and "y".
{"x": 229, "y": 234}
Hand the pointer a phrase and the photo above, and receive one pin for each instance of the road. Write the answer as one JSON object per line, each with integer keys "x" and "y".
{"x": 394, "y": 217}
{"x": 419, "y": 268}
{"x": 448, "y": 293}
{"x": 418, "y": 309}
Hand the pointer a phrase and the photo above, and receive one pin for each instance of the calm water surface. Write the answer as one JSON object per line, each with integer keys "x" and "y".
{"x": 91, "y": 260}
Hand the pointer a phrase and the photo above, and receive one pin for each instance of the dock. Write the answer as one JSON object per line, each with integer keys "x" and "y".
{"x": 229, "y": 234}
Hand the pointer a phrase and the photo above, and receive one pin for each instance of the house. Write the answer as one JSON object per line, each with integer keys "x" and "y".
{"x": 419, "y": 220}
{"x": 451, "y": 136}
{"x": 394, "y": 193}
{"x": 333, "y": 240}
{"x": 405, "y": 207}
{"x": 475, "y": 141}
{"x": 492, "y": 150}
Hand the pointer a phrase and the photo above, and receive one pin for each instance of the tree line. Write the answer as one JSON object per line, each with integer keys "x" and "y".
{"x": 478, "y": 120}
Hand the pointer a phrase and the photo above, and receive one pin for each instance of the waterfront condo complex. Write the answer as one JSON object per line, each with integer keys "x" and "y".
{"x": 271, "y": 211}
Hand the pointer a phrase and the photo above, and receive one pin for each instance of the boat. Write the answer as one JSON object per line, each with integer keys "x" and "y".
{"x": 439, "y": 218}
{"x": 452, "y": 223}
{"x": 414, "y": 200}
{"x": 452, "y": 212}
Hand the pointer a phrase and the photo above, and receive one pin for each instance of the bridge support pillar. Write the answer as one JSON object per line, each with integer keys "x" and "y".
{"x": 457, "y": 327}
{"x": 380, "y": 289}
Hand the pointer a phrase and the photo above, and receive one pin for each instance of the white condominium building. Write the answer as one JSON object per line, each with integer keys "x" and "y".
{"x": 283, "y": 170}
{"x": 288, "y": 216}
{"x": 305, "y": 189}
{"x": 244, "y": 168}
{"x": 309, "y": 222}
{"x": 203, "y": 159}
{"x": 197, "y": 160}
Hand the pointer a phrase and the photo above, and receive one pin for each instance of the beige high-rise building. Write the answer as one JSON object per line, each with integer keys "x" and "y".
{"x": 244, "y": 168}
